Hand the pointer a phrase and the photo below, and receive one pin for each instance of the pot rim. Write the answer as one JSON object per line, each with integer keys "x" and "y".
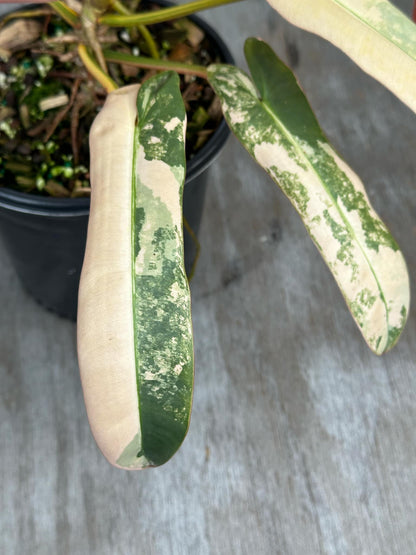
{"x": 27, "y": 203}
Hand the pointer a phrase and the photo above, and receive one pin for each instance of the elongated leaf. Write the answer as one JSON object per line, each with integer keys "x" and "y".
{"x": 374, "y": 33}
{"x": 134, "y": 323}
{"x": 280, "y": 131}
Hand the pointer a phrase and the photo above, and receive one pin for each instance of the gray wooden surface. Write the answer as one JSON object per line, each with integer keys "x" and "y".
{"x": 301, "y": 440}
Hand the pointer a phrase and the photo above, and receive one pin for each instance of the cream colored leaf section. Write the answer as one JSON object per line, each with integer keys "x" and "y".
{"x": 374, "y": 33}
{"x": 105, "y": 313}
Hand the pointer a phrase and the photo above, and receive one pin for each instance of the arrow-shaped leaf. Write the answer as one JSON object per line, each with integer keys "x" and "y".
{"x": 134, "y": 323}
{"x": 374, "y": 33}
{"x": 280, "y": 131}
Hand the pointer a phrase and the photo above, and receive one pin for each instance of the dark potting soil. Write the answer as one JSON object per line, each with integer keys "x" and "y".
{"x": 48, "y": 100}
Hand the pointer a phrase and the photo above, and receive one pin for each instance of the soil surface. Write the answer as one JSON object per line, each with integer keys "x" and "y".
{"x": 48, "y": 100}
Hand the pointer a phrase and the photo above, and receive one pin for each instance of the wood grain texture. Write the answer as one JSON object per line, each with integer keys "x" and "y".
{"x": 301, "y": 441}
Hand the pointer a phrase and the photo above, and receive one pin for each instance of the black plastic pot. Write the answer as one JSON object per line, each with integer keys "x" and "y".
{"x": 45, "y": 237}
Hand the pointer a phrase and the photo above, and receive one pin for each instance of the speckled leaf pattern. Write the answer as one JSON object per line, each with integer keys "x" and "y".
{"x": 374, "y": 33}
{"x": 161, "y": 297}
{"x": 276, "y": 125}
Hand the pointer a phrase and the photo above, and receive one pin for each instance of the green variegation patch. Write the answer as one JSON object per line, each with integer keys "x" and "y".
{"x": 161, "y": 297}
{"x": 374, "y": 33}
{"x": 276, "y": 125}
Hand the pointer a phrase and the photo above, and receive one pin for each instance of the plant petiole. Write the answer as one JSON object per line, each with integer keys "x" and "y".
{"x": 23, "y": 15}
{"x": 164, "y": 14}
{"x": 143, "y": 30}
{"x": 94, "y": 69}
{"x": 149, "y": 63}
{"x": 67, "y": 14}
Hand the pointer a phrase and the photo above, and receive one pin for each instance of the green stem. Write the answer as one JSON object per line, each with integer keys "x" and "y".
{"x": 120, "y": 8}
{"x": 143, "y": 30}
{"x": 165, "y": 14}
{"x": 20, "y": 15}
{"x": 149, "y": 63}
{"x": 95, "y": 70}
{"x": 89, "y": 16}
{"x": 68, "y": 15}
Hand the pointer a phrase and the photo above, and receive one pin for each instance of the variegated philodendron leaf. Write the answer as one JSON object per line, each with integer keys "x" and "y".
{"x": 135, "y": 343}
{"x": 161, "y": 297}
{"x": 280, "y": 131}
{"x": 374, "y": 33}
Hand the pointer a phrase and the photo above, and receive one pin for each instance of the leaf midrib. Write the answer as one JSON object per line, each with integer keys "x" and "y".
{"x": 136, "y": 142}
{"x": 303, "y": 155}
{"x": 373, "y": 28}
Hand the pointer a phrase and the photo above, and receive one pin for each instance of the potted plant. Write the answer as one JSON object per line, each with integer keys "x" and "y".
{"x": 44, "y": 204}
{"x": 134, "y": 323}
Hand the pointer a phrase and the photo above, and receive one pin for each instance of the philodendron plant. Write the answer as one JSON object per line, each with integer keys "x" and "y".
{"x": 134, "y": 320}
